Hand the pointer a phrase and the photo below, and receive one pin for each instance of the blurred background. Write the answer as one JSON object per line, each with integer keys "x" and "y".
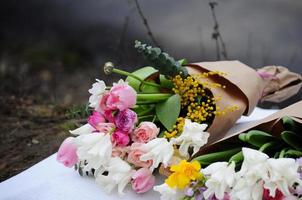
{"x": 51, "y": 51}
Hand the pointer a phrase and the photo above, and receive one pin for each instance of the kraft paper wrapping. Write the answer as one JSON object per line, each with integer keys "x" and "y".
{"x": 244, "y": 89}
{"x": 271, "y": 124}
{"x": 280, "y": 83}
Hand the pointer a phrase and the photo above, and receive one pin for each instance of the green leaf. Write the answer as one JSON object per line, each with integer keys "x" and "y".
{"x": 256, "y": 138}
{"x": 161, "y": 60}
{"x": 210, "y": 158}
{"x": 183, "y": 62}
{"x": 165, "y": 83}
{"x": 292, "y": 139}
{"x": 168, "y": 111}
{"x": 289, "y": 124}
{"x": 143, "y": 73}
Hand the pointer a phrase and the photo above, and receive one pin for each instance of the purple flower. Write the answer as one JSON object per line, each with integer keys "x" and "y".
{"x": 125, "y": 120}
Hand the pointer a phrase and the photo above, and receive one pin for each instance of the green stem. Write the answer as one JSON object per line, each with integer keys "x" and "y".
{"x": 237, "y": 158}
{"x": 146, "y": 111}
{"x": 145, "y": 117}
{"x": 125, "y": 73}
{"x": 266, "y": 145}
{"x": 210, "y": 158}
{"x": 282, "y": 153}
{"x": 154, "y": 118}
{"x": 295, "y": 153}
{"x": 153, "y": 97}
{"x": 146, "y": 102}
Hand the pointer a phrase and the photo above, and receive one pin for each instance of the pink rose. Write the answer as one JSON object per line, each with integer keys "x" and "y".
{"x": 125, "y": 120}
{"x": 135, "y": 152}
{"x": 143, "y": 180}
{"x": 107, "y": 128}
{"x": 95, "y": 119}
{"x": 67, "y": 153}
{"x": 119, "y": 152}
{"x": 121, "y": 96}
{"x": 120, "y": 138}
{"x": 145, "y": 132}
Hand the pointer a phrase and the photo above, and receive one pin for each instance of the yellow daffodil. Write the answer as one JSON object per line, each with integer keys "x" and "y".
{"x": 183, "y": 174}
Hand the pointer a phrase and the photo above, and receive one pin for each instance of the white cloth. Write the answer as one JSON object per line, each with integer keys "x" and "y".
{"x": 50, "y": 180}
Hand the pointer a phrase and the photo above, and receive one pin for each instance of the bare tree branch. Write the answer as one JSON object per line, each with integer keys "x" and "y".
{"x": 216, "y": 35}
{"x": 149, "y": 32}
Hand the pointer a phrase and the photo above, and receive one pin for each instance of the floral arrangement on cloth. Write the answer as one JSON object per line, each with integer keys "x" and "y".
{"x": 160, "y": 117}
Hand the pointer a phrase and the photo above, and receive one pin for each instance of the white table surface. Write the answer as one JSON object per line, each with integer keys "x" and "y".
{"x": 50, "y": 180}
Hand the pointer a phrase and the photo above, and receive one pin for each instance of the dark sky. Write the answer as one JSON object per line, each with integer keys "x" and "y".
{"x": 257, "y": 32}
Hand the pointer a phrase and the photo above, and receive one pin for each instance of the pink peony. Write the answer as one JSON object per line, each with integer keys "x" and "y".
{"x": 145, "y": 132}
{"x": 143, "y": 180}
{"x": 125, "y": 120}
{"x": 120, "y": 138}
{"x": 95, "y": 119}
{"x": 134, "y": 154}
{"x": 119, "y": 151}
{"x": 121, "y": 97}
{"x": 67, "y": 153}
{"x": 107, "y": 128}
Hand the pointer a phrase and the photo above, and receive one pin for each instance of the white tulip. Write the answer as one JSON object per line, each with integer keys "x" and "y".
{"x": 193, "y": 135}
{"x": 159, "y": 150}
{"x": 221, "y": 179}
{"x": 95, "y": 149}
{"x": 97, "y": 91}
{"x": 283, "y": 173}
{"x": 119, "y": 175}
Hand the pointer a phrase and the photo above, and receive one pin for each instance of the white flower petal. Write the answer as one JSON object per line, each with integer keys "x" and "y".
{"x": 85, "y": 129}
{"x": 159, "y": 150}
{"x": 97, "y": 91}
{"x": 168, "y": 193}
{"x": 221, "y": 177}
{"x": 193, "y": 135}
{"x": 119, "y": 175}
{"x": 95, "y": 149}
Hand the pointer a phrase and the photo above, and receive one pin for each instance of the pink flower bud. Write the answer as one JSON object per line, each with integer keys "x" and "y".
{"x": 143, "y": 180}
{"x": 67, "y": 153}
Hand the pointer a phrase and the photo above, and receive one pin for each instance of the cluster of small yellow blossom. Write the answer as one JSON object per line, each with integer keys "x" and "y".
{"x": 197, "y": 102}
{"x": 177, "y": 128}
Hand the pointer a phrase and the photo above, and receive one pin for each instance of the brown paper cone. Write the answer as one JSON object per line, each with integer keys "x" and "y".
{"x": 243, "y": 88}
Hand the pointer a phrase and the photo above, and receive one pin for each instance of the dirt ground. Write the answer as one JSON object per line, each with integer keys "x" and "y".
{"x": 29, "y": 133}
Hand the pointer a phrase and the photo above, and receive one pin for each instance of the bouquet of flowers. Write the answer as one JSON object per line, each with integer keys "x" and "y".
{"x": 160, "y": 117}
